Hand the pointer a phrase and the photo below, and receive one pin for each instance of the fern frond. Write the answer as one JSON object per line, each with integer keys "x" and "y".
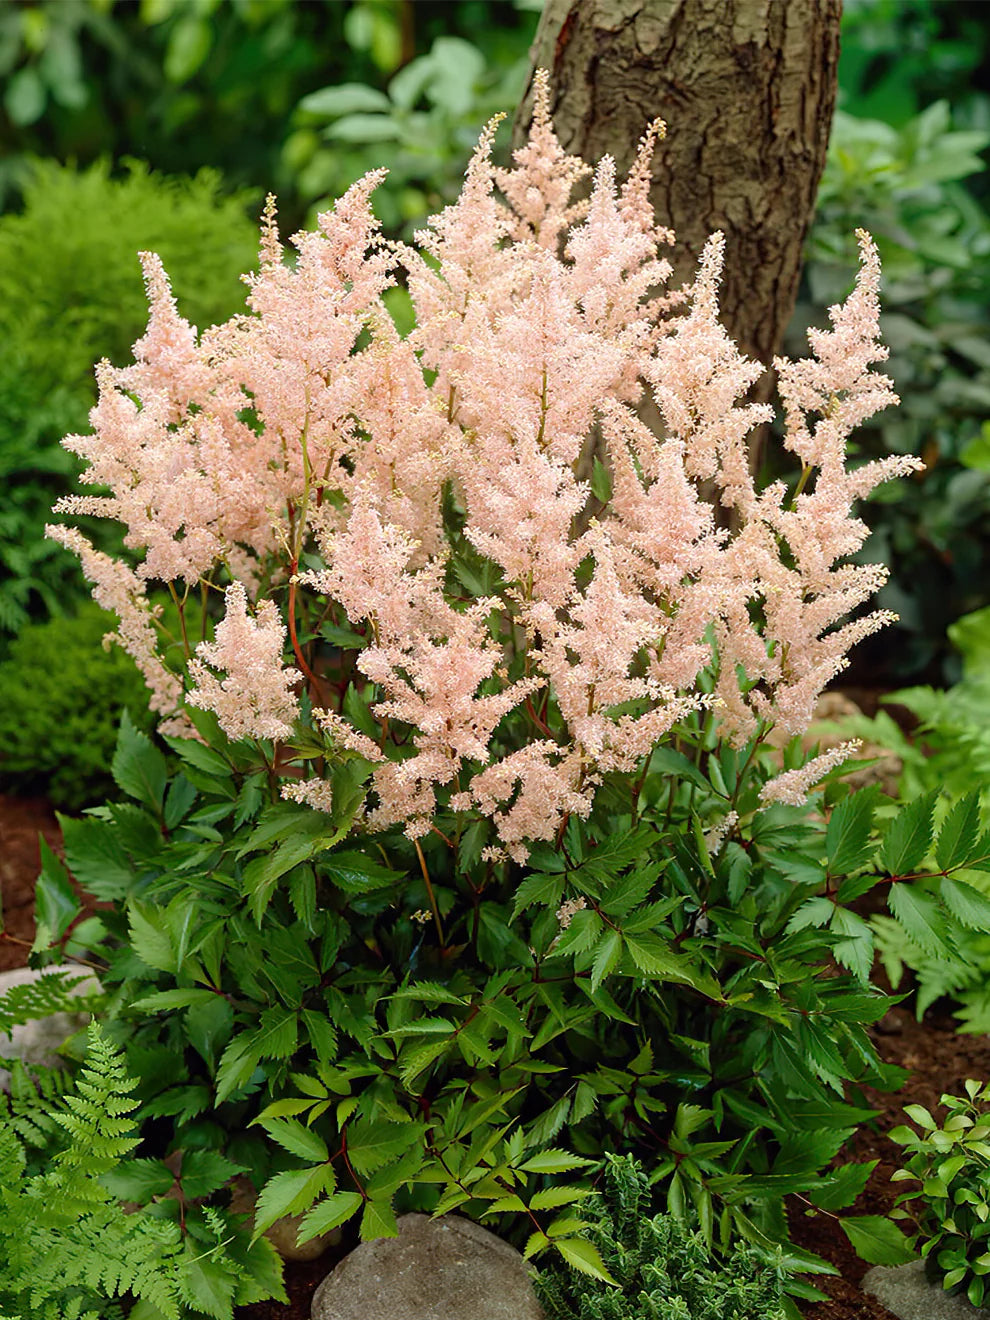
{"x": 29, "y": 1108}
{"x": 49, "y": 994}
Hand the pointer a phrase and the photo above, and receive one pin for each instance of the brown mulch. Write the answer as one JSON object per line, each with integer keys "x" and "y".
{"x": 302, "y": 1278}
{"x": 21, "y": 820}
{"x": 939, "y": 1059}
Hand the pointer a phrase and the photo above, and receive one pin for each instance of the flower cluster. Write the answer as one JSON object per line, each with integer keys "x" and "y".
{"x": 519, "y": 629}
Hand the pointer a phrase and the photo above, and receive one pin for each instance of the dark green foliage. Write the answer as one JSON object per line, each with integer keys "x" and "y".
{"x": 900, "y": 55}
{"x": 71, "y": 293}
{"x": 216, "y": 84}
{"x": 368, "y": 1044}
{"x": 61, "y": 698}
{"x": 948, "y": 753}
{"x": 423, "y": 128}
{"x": 660, "y": 1269}
{"x": 950, "y": 1209}
{"x": 37, "y": 577}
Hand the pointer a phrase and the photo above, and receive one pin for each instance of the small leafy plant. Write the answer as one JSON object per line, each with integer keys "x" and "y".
{"x": 655, "y": 1268}
{"x": 69, "y": 1250}
{"x": 950, "y": 1210}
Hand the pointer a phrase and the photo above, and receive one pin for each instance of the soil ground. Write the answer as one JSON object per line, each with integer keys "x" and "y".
{"x": 938, "y": 1058}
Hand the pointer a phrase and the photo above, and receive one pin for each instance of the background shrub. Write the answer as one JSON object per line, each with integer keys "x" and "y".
{"x": 71, "y": 293}
{"x": 61, "y": 698}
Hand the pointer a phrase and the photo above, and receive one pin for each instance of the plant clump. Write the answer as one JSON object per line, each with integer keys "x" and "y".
{"x": 473, "y": 863}
{"x": 950, "y": 1210}
{"x": 658, "y": 1268}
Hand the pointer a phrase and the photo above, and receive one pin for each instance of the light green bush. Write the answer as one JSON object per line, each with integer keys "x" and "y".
{"x": 71, "y": 293}
{"x": 61, "y": 698}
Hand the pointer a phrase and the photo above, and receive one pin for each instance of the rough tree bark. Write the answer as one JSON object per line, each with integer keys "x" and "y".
{"x": 747, "y": 88}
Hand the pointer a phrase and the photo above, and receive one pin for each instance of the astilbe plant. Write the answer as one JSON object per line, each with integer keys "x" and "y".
{"x": 516, "y": 636}
{"x": 512, "y": 676}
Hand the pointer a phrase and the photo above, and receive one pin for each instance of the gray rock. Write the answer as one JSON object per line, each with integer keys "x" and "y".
{"x": 436, "y": 1269}
{"x": 906, "y": 1291}
{"x": 38, "y": 1042}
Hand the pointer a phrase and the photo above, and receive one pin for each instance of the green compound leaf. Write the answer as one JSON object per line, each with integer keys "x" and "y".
{"x": 328, "y": 1215}
{"x": 138, "y": 767}
{"x": 848, "y": 845}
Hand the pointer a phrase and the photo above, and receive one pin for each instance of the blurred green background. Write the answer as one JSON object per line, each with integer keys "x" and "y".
{"x": 161, "y": 123}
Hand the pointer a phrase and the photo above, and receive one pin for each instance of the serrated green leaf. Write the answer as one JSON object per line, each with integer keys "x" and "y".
{"x": 959, "y": 833}
{"x": 584, "y": 1256}
{"x": 55, "y": 901}
{"x": 150, "y": 937}
{"x": 205, "y": 1172}
{"x": 290, "y": 1193}
{"x": 200, "y": 756}
{"x": 919, "y": 915}
{"x": 415, "y": 1060}
{"x": 138, "y": 767}
{"x": 297, "y": 1139}
{"x": 966, "y": 904}
{"x": 842, "y": 1187}
{"x": 207, "y": 1284}
{"x": 540, "y": 890}
{"x": 139, "y": 1180}
{"x": 909, "y": 836}
{"x": 328, "y": 1215}
{"x": 554, "y": 1161}
{"x": 552, "y": 1197}
{"x": 162, "y": 1000}
{"x": 378, "y": 1221}
{"x": 848, "y": 844}
{"x": 654, "y": 958}
{"x": 429, "y": 992}
{"x": 817, "y": 911}
{"x": 95, "y": 857}
{"x": 356, "y": 873}
{"x": 370, "y": 1146}
{"x": 877, "y": 1240}
{"x": 607, "y": 956}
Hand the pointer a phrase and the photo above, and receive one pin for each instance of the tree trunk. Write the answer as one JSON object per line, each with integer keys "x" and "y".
{"x": 747, "y": 88}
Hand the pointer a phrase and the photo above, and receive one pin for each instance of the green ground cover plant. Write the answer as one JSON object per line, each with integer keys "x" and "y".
{"x": 660, "y": 1270}
{"x": 950, "y": 1210}
{"x": 71, "y": 1250}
